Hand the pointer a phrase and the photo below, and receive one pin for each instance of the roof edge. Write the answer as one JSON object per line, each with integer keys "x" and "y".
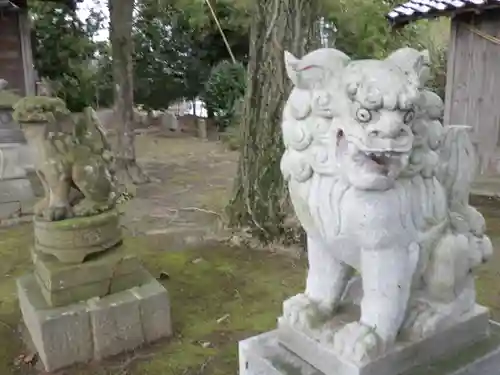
{"x": 414, "y": 10}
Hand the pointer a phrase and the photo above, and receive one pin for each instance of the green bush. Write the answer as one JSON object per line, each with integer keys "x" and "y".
{"x": 438, "y": 69}
{"x": 224, "y": 88}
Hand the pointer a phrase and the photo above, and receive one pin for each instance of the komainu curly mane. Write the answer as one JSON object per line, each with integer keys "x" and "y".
{"x": 381, "y": 187}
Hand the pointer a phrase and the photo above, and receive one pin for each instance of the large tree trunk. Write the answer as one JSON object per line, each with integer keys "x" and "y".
{"x": 121, "y": 13}
{"x": 261, "y": 201}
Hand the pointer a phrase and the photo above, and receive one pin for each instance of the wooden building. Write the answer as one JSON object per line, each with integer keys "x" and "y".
{"x": 473, "y": 70}
{"x": 16, "y": 61}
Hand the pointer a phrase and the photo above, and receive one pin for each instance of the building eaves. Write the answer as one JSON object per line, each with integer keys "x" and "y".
{"x": 424, "y": 9}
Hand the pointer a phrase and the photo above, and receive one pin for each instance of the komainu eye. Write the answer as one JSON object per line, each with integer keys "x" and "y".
{"x": 409, "y": 116}
{"x": 363, "y": 115}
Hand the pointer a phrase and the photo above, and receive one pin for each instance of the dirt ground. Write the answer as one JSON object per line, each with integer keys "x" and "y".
{"x": 219, "y": 294}
{"x": 192, "y": 183}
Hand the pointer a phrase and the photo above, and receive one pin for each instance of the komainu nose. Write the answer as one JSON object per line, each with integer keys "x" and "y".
{"x": 388, "y": 130}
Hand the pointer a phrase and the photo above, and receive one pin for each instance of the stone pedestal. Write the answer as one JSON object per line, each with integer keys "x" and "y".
{"x": 16, "y": 193}
{"x": 106, "y": 273}
{"x": 265, "y": 354}
{"x": 71, "y": 240}
{"x": 87, "y": 299}
{"x": 458, "y": 348}
{"x": 96, "y": 328}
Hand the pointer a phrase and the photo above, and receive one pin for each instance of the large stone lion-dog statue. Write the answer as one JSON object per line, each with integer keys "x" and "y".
{"x": 381, "y": 187}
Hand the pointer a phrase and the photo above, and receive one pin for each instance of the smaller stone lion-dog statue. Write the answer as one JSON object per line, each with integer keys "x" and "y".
{"x": 72, "y": 155}
{"x": 381, "y": 187}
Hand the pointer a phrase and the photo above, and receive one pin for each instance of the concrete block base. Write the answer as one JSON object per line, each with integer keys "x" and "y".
{"x": 265, "y": 355}
{"x": 96, "y": 328}
{"x": 405, "y": 355}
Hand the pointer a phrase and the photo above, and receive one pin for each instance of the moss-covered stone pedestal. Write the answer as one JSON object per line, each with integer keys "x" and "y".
{"x": 72, "y": 240}
{"x": 88, "y": 299}
{"x": 471, "y": 347}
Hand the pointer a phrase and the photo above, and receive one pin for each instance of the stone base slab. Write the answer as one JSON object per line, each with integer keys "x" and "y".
{"x": 108, "y": 272}
{"x": 264, "y": 355}
{"x": 94, "y": 329}
{"x": 405, "y": 355}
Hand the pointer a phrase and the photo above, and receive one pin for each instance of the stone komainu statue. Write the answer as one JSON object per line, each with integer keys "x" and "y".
{"x": 72, "y": 153}
{"x": 381, "y": 187}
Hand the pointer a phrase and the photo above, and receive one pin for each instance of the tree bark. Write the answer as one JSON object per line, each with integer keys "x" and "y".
{"x": 260, "y": 201}
{"x": 121, "y": 16}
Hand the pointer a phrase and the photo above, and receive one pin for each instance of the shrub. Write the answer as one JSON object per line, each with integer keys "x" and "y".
{"x": 225, "y": 86}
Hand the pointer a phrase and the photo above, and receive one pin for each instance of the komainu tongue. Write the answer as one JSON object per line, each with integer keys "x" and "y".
{"x": 378, "y": 159}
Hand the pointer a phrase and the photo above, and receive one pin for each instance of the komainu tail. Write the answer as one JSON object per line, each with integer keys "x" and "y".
{"x": 456, "y": 173}
{"x": 457, "y": 165}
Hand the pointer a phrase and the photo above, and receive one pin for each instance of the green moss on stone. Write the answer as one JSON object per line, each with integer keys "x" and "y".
{"x": 79, "y": 222}
{"x": 38, "y": 108}
{"x": 8, "y": 99}
{"x": 204, "y": 285}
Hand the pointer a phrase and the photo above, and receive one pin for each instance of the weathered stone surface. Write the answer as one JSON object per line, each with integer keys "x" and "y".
{"x": 10, "y": 132}
{"x": 15, "y": 190}
{"x": 169, "y": 122}
{"x": 107, "y": 272}
{"x": 264, "y": 355}
{"x": 155, "y": 311}
{"x": 102, "y": 266}
{"x": 71, "y": 240}
{"x": 96, "y": 328}
{"x": 381, "y": 188}
{"x": 71, "y": 150}
{"x": 11, "y": 162}
{"x": 10, "y": 210}
{"x": 62, "y": 336}
{"x": 100, "y": 288}
{"x": 404, "y": 355}
{"x": 16, "y": 198}
{"x": 116, "y": 324}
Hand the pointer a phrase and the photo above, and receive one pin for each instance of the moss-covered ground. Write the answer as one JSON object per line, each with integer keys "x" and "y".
{"x": 219, "y": 295}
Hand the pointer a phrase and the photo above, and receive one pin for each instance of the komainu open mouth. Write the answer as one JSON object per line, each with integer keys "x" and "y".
{"x": 380, "y": 161}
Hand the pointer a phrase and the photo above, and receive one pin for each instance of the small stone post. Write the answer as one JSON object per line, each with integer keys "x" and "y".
{"x": 201, "y": 127}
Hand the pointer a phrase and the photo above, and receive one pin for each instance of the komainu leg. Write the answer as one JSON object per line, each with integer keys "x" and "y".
{"x": 43, "y": 203}
{"x": 387, "y": 275}
{"x": 56, "y": 182}
{"x": 449, "y": 285}
{"x": 326, "y": 282}
{"x": 93, "y": 179}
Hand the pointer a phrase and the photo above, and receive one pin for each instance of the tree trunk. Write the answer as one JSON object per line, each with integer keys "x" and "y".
{"x": 260, "y": 201}
{"x": 120, "y": 14}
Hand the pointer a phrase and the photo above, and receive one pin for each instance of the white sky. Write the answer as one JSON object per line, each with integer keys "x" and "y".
{"x": 84, "y": 10}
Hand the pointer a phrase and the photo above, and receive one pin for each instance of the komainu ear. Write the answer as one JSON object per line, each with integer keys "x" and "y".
{"x": 412, "y": 62}
{"x": 316, "y": 69}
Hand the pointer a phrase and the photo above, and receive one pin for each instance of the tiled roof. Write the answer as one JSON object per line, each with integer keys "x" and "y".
{"x": 418, "y": 9}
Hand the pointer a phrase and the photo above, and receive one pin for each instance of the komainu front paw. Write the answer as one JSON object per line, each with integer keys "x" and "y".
{"x": 357, "y": 342}
{"x": 301, "y": 312}
{"x": 88, "y": 207}
{"x": 56, "y": 213}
